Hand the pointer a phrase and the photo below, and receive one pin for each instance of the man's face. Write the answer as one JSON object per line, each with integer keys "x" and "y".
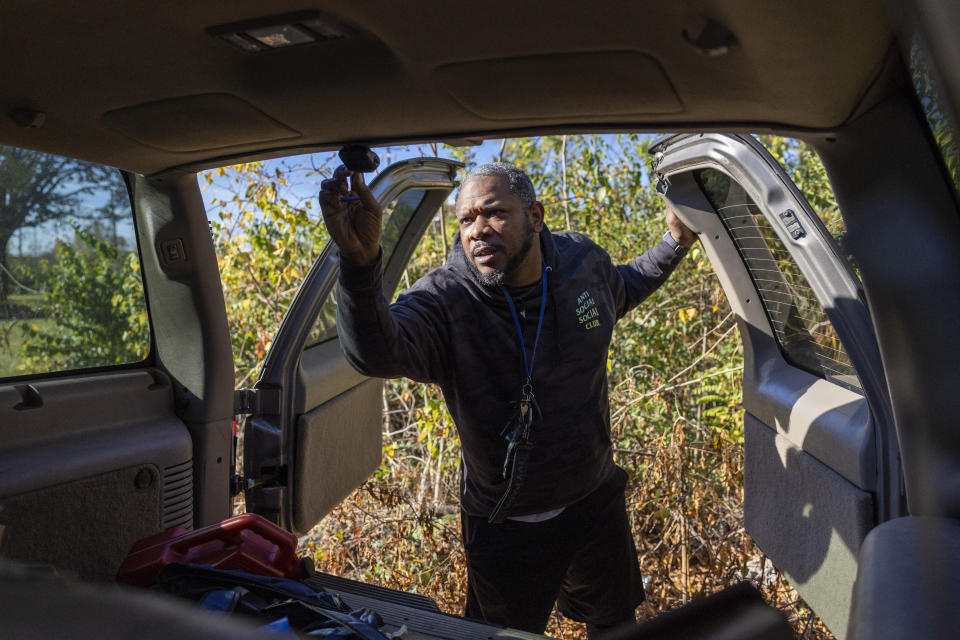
{"x": 498, "y": 232}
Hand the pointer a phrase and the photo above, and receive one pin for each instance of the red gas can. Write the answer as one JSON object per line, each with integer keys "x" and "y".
{"x": 243, "y": 543}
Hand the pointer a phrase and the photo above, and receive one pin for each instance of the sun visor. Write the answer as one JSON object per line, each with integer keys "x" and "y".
{"x": 197, "y": 123}
{"x": 610, "y": 83}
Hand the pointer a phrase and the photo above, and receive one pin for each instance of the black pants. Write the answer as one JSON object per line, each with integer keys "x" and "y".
{"x": 584, "y": 560}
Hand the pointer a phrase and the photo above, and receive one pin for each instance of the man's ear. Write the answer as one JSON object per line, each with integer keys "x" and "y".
{"x": 536, "y": 216}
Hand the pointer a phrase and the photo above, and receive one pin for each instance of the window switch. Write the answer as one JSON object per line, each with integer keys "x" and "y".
{"x": 172, "y": 251}
{"x": 790, "y": 221}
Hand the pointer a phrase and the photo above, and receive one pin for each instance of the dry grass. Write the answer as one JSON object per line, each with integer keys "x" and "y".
{"x": 401, "y": 529}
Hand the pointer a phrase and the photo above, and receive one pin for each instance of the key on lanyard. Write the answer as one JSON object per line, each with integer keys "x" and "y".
{"x": 518, "y": 430}
{"x": 528, "y": 410}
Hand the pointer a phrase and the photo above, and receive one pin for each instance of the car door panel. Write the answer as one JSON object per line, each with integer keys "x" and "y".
{"x": 838, "y": 426}
{"x": 831, "y": 423}
{"x": 319, "y": 435}
{"x": 782, "y": 481}
{"x": 324, "y": 373}
{"x": 97, "y": 462}
{"x": 807, "y": 519}
{"x": 336, "y": 439}
{"x": 337, "y": 449}
{"x": 815, "y": 473}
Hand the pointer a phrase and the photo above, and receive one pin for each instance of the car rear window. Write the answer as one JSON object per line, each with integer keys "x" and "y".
{"x": 802, "y": 328}
{"x": 71, "y": 292}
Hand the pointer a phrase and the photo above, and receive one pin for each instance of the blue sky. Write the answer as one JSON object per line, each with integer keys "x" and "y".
{"x": 305, "y": 181}
{"x": 308, "y": 186}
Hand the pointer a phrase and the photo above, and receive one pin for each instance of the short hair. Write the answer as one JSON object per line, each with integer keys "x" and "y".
{"x": 518, "y": 182}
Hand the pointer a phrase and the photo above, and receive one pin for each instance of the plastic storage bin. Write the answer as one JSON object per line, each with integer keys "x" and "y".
{"x": 243, "y": 543}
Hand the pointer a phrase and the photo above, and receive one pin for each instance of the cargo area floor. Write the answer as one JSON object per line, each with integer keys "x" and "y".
{"x": 421, "y": 616}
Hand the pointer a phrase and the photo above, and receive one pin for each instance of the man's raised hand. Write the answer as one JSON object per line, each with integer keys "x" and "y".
{"x": 680, "y": 232}
{"x": 352, "y": 215}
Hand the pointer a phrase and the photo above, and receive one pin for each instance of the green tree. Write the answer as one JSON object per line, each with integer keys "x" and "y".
{"x": 94, "y": 305}
{"x": 266, "y": 240}
{"x": 39, "y": 187}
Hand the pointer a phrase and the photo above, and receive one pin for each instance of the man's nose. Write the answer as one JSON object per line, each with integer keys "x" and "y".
{"x": 480, "y": 228}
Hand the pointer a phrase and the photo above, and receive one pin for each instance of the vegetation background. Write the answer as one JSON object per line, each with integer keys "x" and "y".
{"x": 674, "y": 364}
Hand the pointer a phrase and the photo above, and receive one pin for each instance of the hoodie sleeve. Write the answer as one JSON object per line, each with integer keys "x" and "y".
{"x": 388, "y": 341}
{"x": 636, "y": 280}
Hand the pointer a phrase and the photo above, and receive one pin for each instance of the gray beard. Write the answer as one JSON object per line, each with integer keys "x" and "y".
{"x": 494, "y": 279}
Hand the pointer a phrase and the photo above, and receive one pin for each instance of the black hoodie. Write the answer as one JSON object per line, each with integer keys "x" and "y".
{"x": 449, "y": 329}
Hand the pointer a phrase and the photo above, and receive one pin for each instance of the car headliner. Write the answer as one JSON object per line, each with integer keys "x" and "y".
{"x": 146, "y": 87}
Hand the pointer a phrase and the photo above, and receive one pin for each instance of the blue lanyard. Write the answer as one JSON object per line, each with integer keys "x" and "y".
{"x": 528, "y": 366}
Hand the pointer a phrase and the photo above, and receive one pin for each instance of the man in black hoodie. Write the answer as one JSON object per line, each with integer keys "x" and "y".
{"x": 515, "y": 329}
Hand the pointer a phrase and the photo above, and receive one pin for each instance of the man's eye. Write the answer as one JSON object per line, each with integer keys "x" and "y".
{"x": 464, "y": 221}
